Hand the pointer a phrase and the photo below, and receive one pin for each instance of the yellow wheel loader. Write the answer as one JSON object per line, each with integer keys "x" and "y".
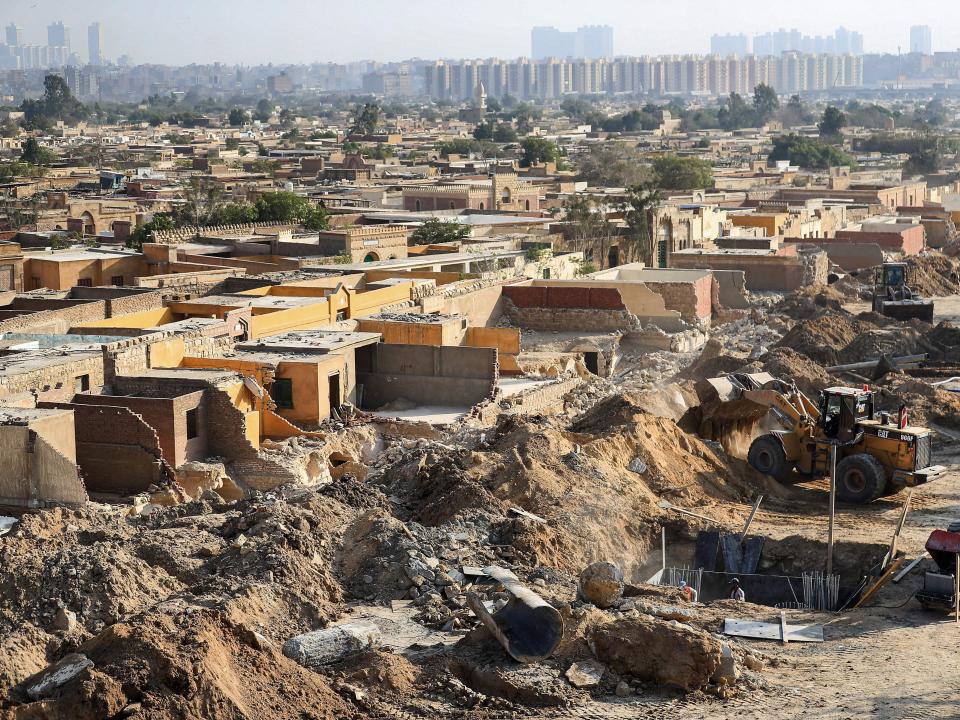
{"x": 876, "y": 454}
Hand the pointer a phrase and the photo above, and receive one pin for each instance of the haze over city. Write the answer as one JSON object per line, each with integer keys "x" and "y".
{"x": 436, "y": 360}
{"x": 304, "y": 31}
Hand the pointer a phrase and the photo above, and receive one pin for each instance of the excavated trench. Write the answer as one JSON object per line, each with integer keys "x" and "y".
{"x": 777, "y": 566}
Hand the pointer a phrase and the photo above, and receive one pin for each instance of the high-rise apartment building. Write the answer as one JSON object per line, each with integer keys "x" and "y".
{"x": 738, "y": 45}
{"x": 14, "y": 35}
{"x": 58, "y": 35}
{"x": 593, "y": 42}
{"x": 95, "y": 44}
{"x": 921, "y": 39}
{"x": 551, "y": 78}
{"x": 842, "y": 42}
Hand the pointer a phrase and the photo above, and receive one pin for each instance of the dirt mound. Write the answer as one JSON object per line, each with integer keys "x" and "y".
{"x": 787, "y": 364}
{"x": 712, "y": 362}
{"x": 934, "y": 274}
{"x": 811, "y": 301}
{"x": 189, "y": 662}
{"x": 822, "y": 338}
{"x": 383, "y": 671}
{"x": 666, "y": 652}
{"x": 926, "y": 404}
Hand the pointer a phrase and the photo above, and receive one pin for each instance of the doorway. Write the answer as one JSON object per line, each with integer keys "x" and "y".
{"x": 334, "y": 384}
{"x": 592, "y": 361}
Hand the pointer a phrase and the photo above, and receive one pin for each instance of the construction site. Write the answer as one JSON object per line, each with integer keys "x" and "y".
{"x": 573, "y": 545}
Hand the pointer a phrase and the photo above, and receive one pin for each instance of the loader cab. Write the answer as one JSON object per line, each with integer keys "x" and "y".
{"x": 893, "y": 274}
{"x": 842, "y": 409}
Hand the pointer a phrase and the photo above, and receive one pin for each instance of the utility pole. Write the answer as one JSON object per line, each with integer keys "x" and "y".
{"x": 833, "y": 500}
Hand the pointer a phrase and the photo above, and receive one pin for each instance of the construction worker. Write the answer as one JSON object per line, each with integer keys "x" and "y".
{"x": 688, "y": 592}
{"x": 736, "y": 592}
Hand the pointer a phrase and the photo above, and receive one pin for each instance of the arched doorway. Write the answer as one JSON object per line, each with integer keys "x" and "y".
{"x": 371, "y": 257}
{"x": 418, "y": 206}
{"x": 481, "y": 206}
{"x": 89, "y": 226}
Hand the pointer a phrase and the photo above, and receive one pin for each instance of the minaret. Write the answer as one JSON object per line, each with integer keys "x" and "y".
{"x": 481, "y": 97}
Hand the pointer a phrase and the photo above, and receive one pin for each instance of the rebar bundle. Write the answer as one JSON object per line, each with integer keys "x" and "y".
{"x": 820, "y": 591}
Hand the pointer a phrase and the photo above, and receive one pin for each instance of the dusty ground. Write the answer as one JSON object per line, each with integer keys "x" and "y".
{"x": 183, "y": 612}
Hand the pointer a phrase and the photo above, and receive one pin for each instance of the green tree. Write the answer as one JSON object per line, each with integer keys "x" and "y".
{"x": 586, "y": 228}
{"x": 287, "y": 207}
{"x": 638, "y": 208}
{"x": 35, "y": 154}
{"x": 237, "y": 117}
{"x": 264, "y": 110}
{"x": 808, "y": 153}
{"x": 736, "y": 113}
{"x": 612, "y": 164}
{"x": 144, "y": 233}
{"x": 504, "y": 133}
{"x": 366, "y": 118}
{"x": 832, "y": 122}
{"x": 483, "y": 131}
{"x": 203, "y": 200}
{"x": 765, "y": 103}
{"x": 538, "y": 150}
{"x": 435, "y": 231}
{"x": 234, "y": 213}
{"x": 58, "y": 103}
{"x": 795, "y": 112}
{"x": 672, "y": 172}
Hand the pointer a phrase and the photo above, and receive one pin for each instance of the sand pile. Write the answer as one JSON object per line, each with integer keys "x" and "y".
{"x": 934, "y": 274}
{"x": 811, "y": 301}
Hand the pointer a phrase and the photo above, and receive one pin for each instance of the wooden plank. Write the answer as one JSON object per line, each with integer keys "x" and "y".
{"x": 913, "y": 563}
{"x": 772, "y": 631}
{"x": 756, "y": 506}
{"x": 896, "y": 533}
{"x": 872, "y": 590}
{"x": 528, "y": 515}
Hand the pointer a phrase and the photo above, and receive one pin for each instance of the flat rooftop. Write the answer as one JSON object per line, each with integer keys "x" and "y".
{"x": 422, "y": 261}
{"x": 310, "y": 341}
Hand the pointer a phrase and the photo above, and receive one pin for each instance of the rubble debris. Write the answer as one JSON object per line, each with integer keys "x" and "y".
{"x": 585, "y": 674}
{"x": 57, "y": 675}
{"x": 322, "y": 647}
{"x": 664, "y": 651}
{"x": 601, "y": 584}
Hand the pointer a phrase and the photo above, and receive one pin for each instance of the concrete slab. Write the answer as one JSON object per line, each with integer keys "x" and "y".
{"x": 510, "y": 386}
{"x": 432, "y": 414}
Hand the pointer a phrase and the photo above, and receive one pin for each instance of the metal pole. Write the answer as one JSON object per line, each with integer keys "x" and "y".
{"x": 663, "y": 546}
{"x": 833, "y": 500}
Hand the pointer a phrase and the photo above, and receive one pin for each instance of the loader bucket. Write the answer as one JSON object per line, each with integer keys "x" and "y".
{"x": 729, "y": 414}
{"x": 909, "y": 310}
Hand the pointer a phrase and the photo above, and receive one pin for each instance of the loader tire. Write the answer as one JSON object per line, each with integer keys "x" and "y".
{"x": 861, "y": 479}
{"x": 766, "y": 456}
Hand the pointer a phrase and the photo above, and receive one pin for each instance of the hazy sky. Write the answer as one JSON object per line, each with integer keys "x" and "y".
{"x": 301, "y": 31}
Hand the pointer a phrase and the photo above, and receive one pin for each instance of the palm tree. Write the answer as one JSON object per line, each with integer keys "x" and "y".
{"x": 642, "y": 199}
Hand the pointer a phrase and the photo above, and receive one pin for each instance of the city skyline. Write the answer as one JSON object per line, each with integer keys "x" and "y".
{"x": 202, "y": 33}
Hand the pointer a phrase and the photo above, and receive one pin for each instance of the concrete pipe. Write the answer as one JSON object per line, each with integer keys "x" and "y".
{"x": 528, "y": 627}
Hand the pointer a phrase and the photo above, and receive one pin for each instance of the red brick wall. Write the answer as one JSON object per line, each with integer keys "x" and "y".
{"x": 909, "y": 241}
{"x": 564, "y": 297}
